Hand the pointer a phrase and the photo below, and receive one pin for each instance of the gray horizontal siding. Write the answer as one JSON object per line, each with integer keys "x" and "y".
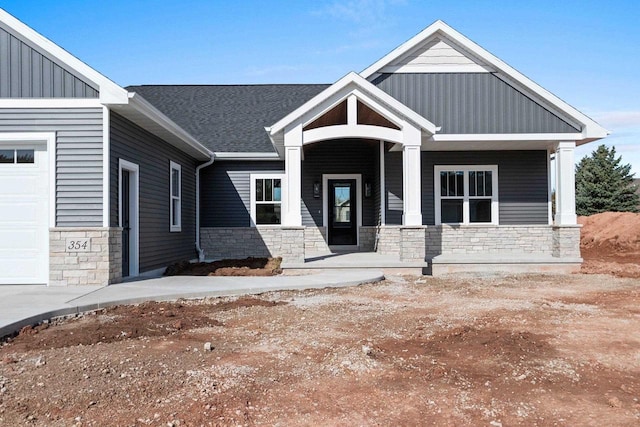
{"x": 78, "y": 158}
{"x": 26, "y": 73}
{"x": 225, "y": 197}
{"x": 158, "y": 246}
{"x": 471, "y": 103}
{"x": 339, "y": 157}
{"x": 522, "y": 183}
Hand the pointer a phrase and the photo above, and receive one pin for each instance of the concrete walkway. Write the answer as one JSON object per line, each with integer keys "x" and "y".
{"x": 22, "y": 305}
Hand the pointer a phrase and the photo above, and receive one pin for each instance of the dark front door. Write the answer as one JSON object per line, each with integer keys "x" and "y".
{"x": 126, "y": 226}
{"x": 343, "y": 227}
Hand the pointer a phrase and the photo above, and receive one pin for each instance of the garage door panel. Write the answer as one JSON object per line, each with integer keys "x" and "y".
{"x": 24, "y": 219}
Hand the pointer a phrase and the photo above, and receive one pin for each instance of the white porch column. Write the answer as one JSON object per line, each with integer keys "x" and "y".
{"x": 565, "y": 184}
{"x": 293, "y": 173}
{"x": 411, "y": 177}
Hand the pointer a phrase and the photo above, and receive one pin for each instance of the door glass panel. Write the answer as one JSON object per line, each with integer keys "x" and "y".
{"x": 6, "y": 156}
{"x": 342, "y": 203}
{"x": 26, "y": 156}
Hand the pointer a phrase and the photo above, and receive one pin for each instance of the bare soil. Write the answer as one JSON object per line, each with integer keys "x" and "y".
{"x": 531, "y": 350}
{"x": 228, "y": 267}
{"x": 610, "y": 244}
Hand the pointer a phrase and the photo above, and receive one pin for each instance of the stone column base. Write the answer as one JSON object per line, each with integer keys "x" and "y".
{"x": 85, "y": 256}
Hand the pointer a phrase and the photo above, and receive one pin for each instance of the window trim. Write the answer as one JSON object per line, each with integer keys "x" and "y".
{"x": 252, "y": 189}
{"x": 172, "y": 214}
{"x": 495, "y": 220}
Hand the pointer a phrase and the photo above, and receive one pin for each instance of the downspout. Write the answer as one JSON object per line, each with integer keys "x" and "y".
{"x": 204, "y": 165}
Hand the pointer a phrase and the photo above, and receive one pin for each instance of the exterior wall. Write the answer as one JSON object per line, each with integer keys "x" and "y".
{"x": 100, "y": 263}
{"x": 243, "y": 242}
{"x": 158, "y": 246}
{"x": 78, "y": 158}
{"x": 489, "y": 240}
{"x": 340, "y": 157}
{"x": 522, "y": 186}
{"x": 388, "y": 240}
{"x": 26, "y": 73}
{"x": 566, "y": 241}
{"x": 225, "y": 199}
{"x": 487, "y": 103}
{"x": 315, "y": 239}
{"x": 412, "y": 243}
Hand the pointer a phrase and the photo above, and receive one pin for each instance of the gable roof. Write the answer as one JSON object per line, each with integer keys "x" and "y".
{"x": 229, "y": 118}
{"x": 439, "y": 30}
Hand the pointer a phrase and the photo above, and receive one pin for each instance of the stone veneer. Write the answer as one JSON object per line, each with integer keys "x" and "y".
{"x": 260, "y": 241}
{"x": 566, "y": 241}
{"x": 412, "y": 243}
{"x": 100, "y": 263}
{"x": 388, "y": 242}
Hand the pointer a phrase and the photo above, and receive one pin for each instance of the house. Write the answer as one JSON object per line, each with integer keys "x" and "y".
{"x": 438, "y": 154}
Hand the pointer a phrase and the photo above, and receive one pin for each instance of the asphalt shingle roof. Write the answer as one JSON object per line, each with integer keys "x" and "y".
{"x": 228, "y": 118}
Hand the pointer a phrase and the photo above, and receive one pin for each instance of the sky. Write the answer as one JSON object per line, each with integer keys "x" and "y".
{"x": 585, "y": 52}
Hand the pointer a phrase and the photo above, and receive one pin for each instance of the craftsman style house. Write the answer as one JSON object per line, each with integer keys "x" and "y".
{"x": 438, "y": 156}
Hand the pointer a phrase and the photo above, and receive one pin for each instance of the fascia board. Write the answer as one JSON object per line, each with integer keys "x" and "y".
{"x": 591, "y": 128}
{"x": 341, "y": 89}
{"x": 142, "y": 106}
{"x": 110, "y": 92}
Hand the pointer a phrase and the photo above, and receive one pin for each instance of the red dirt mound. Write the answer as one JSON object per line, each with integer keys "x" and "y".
{"x": 610, "y": 243}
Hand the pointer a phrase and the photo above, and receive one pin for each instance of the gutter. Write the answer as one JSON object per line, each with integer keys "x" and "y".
{"x": 202, "y": 166}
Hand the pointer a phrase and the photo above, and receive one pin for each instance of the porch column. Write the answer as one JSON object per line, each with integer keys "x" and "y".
{"x": 411, "y": 177}
{"x": 565, "y": 184}
{"x": 293, "y": 174}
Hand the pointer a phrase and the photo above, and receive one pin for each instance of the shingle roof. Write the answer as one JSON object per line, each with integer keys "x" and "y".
{"x": 228, "y": 118}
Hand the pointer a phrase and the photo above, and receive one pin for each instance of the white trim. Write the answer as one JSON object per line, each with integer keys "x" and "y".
{"x": 221, "y": 155}
{"x": 565, "y": 183}
{"x": 134, "y": 214}
{"x": 201, "y": 254}
{"x": 50, "y": 139}
{"x": 325, "y": 200}
{"x": 50, "y": 103}
{"x": 352, "y": 131}
{"x": 549, "y": 189}
{"x": 495, "y": 206}
{"x": 473, "y": 137}
{"x": 591, "y": 128}
{"x": 106, "y": 158}
{"x": 109, "y": 91}
{"x": 173, "y": 166}
{"x": 341, "y": 90}
{"x": 432, "y": 68}
{"x": 252, "y": 188}
{"x": 383, "y": 203}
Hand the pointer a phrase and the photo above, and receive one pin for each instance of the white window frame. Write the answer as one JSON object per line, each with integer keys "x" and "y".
{"x": 465, "y": 200}
{"x": 252, "y": 188}
{"x": 172, "y": 214}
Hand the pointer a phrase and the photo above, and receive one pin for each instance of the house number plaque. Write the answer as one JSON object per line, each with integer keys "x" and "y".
{"x": 78, "y": 244}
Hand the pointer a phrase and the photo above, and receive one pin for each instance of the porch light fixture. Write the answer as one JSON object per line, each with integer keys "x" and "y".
{"x": 316, "y": 190}
{"x": 367, "y": 189}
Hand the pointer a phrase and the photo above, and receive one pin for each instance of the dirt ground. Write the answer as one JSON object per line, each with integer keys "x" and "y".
{"x": 610, "y": 244}
{"x": 495, "y": 351}
{"x": 227, "y": 267}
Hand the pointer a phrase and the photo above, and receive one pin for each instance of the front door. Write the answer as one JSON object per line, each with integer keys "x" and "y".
{"x": 126, "y": 223}
{"x": 343, "y": 227}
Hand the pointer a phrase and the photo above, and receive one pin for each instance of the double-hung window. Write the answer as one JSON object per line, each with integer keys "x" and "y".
{"x": 175, "y": 215}
{"x": 466, "y": 194}
{"x": 266, "y": 199}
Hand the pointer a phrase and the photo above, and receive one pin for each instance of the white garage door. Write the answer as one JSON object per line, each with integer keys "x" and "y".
{"x": 24, "y": 213}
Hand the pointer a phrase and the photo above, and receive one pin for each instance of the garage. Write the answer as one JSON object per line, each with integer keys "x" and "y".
{"x": 24, "y": 212}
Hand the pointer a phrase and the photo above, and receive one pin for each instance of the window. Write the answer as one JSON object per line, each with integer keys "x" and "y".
{"x": 466, "y": 194}
{"x": 176, "y": 196}
{"x": 266, "y": 199}
{"x": 13, "y": 156}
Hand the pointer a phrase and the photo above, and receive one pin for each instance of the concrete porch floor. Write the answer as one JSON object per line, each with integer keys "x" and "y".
{"x": 355, "y": 259}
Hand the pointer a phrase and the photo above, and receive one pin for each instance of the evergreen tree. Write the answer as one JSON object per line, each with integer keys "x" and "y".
{"x": 603, "y": 184}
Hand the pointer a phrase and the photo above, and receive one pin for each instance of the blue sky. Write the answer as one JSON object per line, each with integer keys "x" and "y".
{"x": 585, "y": 52}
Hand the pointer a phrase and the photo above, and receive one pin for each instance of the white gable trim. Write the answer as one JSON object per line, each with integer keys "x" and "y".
{"x": 352, "y": 83}
{"x": 110, "y": 92}
{"x": 591, "y": 129}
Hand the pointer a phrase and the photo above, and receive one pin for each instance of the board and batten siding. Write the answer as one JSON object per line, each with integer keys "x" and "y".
{"x": 26, "y": 73}
{"x": 158, "y": 246}
{"x": 78, "y": 158}
{"x": 340, "y": 157}
{"x": 471, "y": 103}
{"x": 522, "y": 183}
{"x": 225, "y": 198}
